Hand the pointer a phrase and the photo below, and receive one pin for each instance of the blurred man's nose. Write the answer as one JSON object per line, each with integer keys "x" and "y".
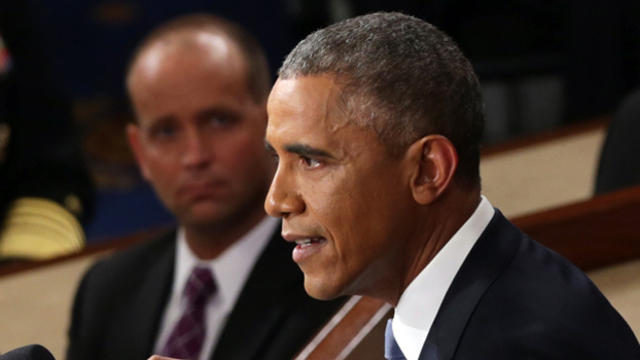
{"x": 196, "y": 150}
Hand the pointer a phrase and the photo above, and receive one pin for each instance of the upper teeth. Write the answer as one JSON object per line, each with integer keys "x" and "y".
{"x": 303, "y": 241}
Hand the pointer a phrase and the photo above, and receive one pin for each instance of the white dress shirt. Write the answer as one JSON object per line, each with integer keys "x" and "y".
{"x": 230, "y": 271}
{"x": 420, "y": 301}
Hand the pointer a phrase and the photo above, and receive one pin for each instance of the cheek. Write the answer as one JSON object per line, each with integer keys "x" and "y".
{"x": 161, "y": 161}
{"x": 343, "y": 216}
{"x": 243, "y": 152}
{"x": 158, "y": 167}
{"x": 362, "y": 222}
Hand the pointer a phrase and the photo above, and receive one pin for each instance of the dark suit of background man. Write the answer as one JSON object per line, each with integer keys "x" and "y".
{"x": 199, "y": 86}
{"x": 376, "y": 123}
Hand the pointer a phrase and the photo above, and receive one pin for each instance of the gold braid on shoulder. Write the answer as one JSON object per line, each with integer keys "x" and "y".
{"x": 37, "y": 228}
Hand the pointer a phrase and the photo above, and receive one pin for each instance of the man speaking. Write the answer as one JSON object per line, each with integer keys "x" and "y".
{"x": 376, "y": 123}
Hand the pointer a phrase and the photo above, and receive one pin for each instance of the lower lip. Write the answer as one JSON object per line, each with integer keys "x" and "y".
{"x": 302, "y": 252}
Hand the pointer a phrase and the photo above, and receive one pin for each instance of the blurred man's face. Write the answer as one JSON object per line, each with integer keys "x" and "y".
{"x": 200, "y": 135}
{"x": 340, "y": 194}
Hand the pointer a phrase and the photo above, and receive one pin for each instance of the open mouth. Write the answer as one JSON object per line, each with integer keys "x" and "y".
{"x": 303, "y": 243}
{"x": 306, "y": 247}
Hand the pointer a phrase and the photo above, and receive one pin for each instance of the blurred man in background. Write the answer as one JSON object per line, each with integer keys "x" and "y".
{"x": 222, "y": 286}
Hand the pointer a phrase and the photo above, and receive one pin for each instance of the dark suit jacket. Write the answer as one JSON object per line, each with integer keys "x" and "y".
{"x": 120, "y": 301}
{"x": 515, "y": 299}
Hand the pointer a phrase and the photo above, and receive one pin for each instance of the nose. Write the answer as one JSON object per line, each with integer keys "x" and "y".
{"x": 283, "y": 199}
{"x": 196, "y": 150}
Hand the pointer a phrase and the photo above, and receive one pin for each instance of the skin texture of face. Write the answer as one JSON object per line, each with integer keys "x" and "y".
{"x": 337, "y": 185}
{"x": 200, "y": 135}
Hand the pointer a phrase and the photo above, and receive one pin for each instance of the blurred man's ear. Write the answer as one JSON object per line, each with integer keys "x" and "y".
{"x": 434, "y": 164}
{"x": 133, "y": 136}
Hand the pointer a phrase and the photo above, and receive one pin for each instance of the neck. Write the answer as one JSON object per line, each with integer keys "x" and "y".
{"x": 208, "y": 241}
{"x": 440, "y": 221}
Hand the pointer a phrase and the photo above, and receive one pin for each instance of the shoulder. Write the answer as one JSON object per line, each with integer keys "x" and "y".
{"x": 541, "y": 302}
{"x": 528, "y": 270}
{"x": 539, "y": 275}
{"x": 116, "y": 280}
{"x": 129, "y": 266}
{"x": 115, "y": 292}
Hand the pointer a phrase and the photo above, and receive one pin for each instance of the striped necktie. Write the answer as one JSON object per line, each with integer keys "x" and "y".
{"x": 186, "y": 338}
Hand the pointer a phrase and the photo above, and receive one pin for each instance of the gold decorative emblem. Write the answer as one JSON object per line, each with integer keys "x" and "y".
{"x": 73, "y": 204}
{"x": 5, "y": 132}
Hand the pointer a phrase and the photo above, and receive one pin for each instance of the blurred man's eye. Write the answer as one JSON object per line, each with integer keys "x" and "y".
{"x": 220, "y": 120}
{"x": 162, "y": 132}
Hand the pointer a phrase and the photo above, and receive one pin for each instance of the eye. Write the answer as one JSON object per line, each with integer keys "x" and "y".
{"x": 218, "y": 120}
{"x": 310, "y": 163}
{"x": 164, "y": 131}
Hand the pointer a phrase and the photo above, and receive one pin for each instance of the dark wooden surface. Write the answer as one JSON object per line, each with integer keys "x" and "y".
{"x": 349, "y": 325}
{"x": 594, "y": 233}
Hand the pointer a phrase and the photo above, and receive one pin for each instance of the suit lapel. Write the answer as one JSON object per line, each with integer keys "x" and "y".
{"x": 151, "y": 297}
{"x": 490, "y": 255}
{"x": 261, "y": 304}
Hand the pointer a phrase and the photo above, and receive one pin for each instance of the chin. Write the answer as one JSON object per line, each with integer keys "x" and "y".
{"x": 320, "y": 290}
{"x": 200, "y": 221}
{"x": 202, "y": 218}
{"x": 207, "y": 212}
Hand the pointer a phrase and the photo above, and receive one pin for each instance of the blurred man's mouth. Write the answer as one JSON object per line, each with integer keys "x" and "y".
{"x": 201, "y": 190}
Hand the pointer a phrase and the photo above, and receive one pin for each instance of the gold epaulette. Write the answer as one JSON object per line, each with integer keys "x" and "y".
{"x": 38, "y": 228}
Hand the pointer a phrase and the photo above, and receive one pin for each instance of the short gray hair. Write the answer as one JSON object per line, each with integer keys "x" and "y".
{"x": 402, "y": 77}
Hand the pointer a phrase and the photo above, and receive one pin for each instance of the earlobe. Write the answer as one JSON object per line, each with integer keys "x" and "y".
{"x": 435, "y": 162}
{"x": 133, "y": 136}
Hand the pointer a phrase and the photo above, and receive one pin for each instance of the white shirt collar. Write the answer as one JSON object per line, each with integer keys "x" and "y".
{"x": 231, "y": 268}
{"x": 420, "y": 301}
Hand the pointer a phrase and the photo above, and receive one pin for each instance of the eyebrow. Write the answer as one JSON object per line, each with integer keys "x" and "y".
{"x": 149, "y": 124}
{"x": 225, "y": 112}
{"x": 300, "y": 149}
{"x": 306, "y": 150}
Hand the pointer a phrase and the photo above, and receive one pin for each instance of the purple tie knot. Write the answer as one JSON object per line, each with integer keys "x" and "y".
{"x": 200, "y": 286}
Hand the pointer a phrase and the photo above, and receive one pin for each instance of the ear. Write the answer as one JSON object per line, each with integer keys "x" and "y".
{"x": 134, "y": 138}
{"x": 434, "y": 160}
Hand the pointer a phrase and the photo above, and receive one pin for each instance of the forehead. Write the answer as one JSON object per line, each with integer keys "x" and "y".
{"x": 308, "y": 104}
{"x": 202, "y": 72}
{"x": 189, "y": 59}
{"x": 202, "y": 46}
{"x": 309, "y": 111}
